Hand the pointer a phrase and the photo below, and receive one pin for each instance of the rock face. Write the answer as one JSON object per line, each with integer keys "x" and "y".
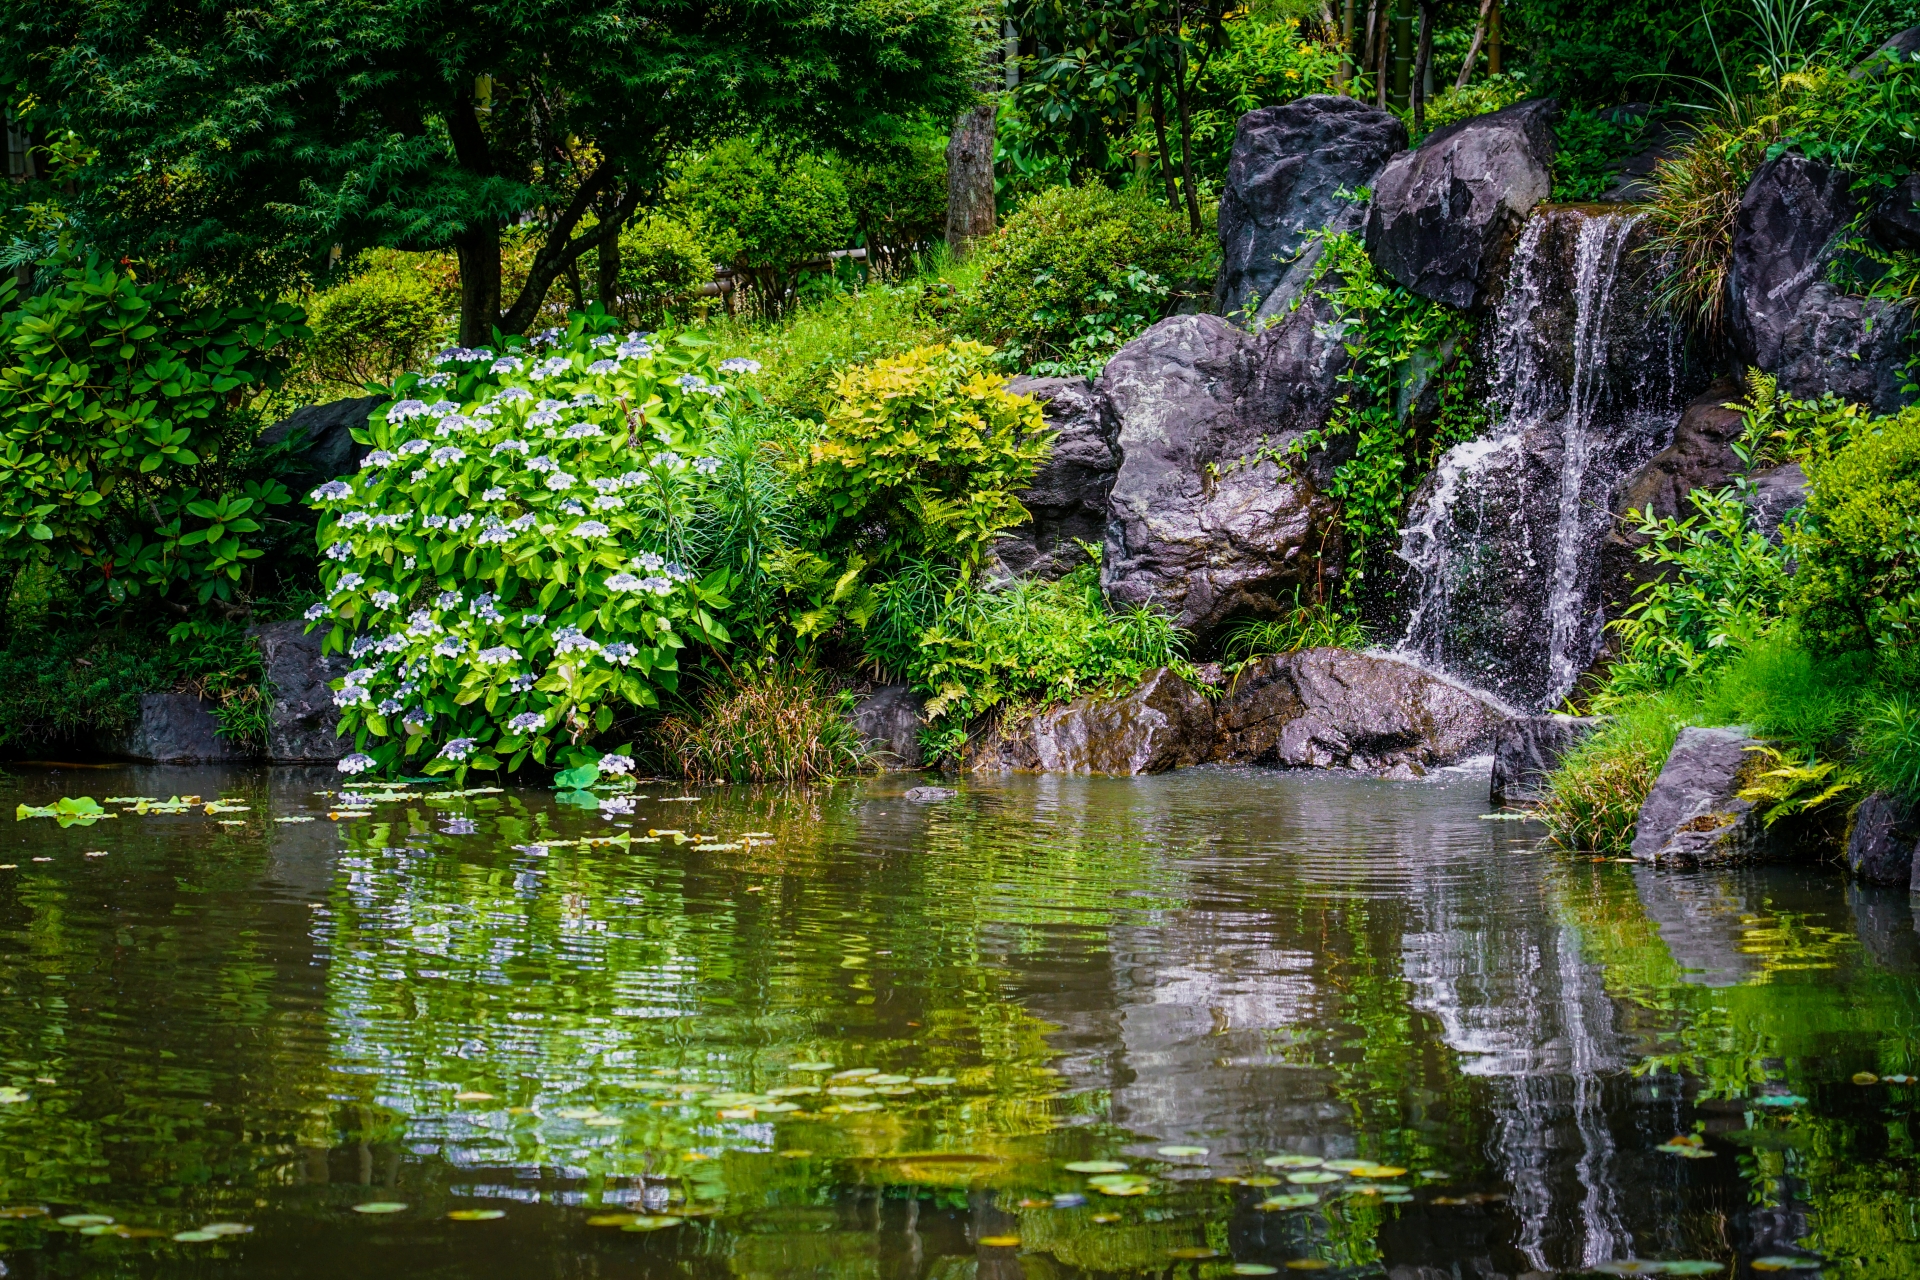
{"x": 1206, "y": 521}
{"x": 1163, "y": 724}
{"x": 1693, "y": 815}
{"x": 1881, "y": 845}
{"x": 889, "y": 718}
{"x": 1444, "y": 216}
{"x": 1856, "y": 348}
{"x": 1700, "y": 457}
{"x": 302, "y": 721}
{"x": 1333, "y": 708}
{"x": 1289, "y": 162}
{"x": 1900, "y": 48}
{"x": 1776, "y": 494}
{"x": 1068, "y": 499}
{"x": 1526, "y": 749}
{"x": 1896, "y": 220}
{"x": 322, "y": 440}
{"x": 175, "y": 728}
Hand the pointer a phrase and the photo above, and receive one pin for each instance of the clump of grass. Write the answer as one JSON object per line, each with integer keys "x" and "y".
{"x": 1696, "y": 197}
{"x": 1888, "y": 743}
{"x": 770, "y": 725}
{"x": 1311, "y": 624}
{"x": 1593, "y": 799}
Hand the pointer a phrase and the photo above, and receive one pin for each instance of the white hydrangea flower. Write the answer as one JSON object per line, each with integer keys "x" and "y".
{"x": 623, "y": 582}
{"x": 410, "y": 447}
{"x": 520, "y": 684}
{"x": 510, "y": 446}
{"x": 506, "y": 364}
{"x": 620, "y": 652}
{"x": 407, "y": 409}
{"x": 527, "y": 722}
{"x": 559, "y": 481}
{"x": 607, "y": 502}
{"x": 616, "y": 765}
{"x": 433, "y": 522}
{"x": 581, "y": 431}
{"x": 498, "y": 656}
{"x": 570, "y": 640}
{"x": 451, "y": 647}
{"x": 706, "y": 466}
{"x": 591, "y": 529}
{"x": 603, "y": 367}
{"x": 449, "y": 600}
{"x": 315, "y": 612}
{"x": 385, "y": 599}
{"x": 340, "y": 551}
{"x": 509, "y": 395}
{"x": 448, "y": 455}
{"x": 458, "y": 749}
{"x": 331, "y": 491}
{"x": 739, "y": 364}
{"x": 358, "y": 762}
{"x": 495, "y": 494}
{"x": 649, "y": 561}
{"x": 375, "y": 460}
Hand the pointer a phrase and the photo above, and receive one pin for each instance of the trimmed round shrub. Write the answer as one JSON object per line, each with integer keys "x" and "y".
{"x": 899, "y": 201}
{"x": 508, "y": 565}
{"x": 375, "y": 324}
{"x": 1078, "y": 270}
{"x": 662, "y": 261}
{"x": 1857, "y": 583}
{"x": 769, "y": 212}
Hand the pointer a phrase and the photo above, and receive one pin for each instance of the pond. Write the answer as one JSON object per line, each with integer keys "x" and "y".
{"x": 1279, "y": 1022}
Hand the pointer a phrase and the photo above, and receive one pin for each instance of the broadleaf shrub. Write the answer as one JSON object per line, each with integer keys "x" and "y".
{"x": 510, "y": 564}
{"x": 768, "y": 212}
{"x": 377, "y": 323}
{"x": 1857, "y": 583}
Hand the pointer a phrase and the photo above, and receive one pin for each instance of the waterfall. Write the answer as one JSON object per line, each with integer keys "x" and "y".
{"x": 1503, "y": 540}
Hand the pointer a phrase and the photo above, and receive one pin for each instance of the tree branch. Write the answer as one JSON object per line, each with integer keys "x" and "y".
{"x": 560, "y": 251}
{"x": 1473, "y": 50}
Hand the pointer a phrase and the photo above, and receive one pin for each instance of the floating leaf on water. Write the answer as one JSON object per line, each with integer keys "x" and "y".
{"x": 1182, "y": 1151}
{"x": 1253, "y": 1269}
{"x": 1312, "y": 1177}
{"x": 1786, "y": 1262}
{"x": 810, "y": 1066}
{"x": 1000, "y": 1242}
{"x": 850, "y": 1091}
{"x": 227, "y": 1229}
{"x": 659, "y": 1223}
{"x": 380, "y": 1206}
{"x": 1632, "y": 1267}
{"x": 18, "y": 1211}
{"x": 120, "y": 1231}
{"x": 1295, "y": 1200}
{"x": 472, "y": 1095}
{"x": 729, "y": 1113}
{"x": 796, "y": 1153}
{"x": 1685, "y": 1150}
{"x": 888, "y": 1079}
{"x": 1308, "y": 1264}
{"x": 1378, "y": 1171}
{"x": 1292, "y": 1162}
{"x": 1193, "y": 1251}
{"x": 85, "y": 1220}
{"x": 194, "y": 1237}
{"x": 851, "y": 1107}
{"x": 1096, "y": 1166}
{"x": 1780, "y": 1100}
{"x": 934, "y": 1081}
{"x": 855, "y": 1073}
{"x": 1347, "y": 1166}
{"x": 1400, "y": 1198}
{"x": 778, "y": 1107}
{"x": 476, "y": 1215}
{"x": 896, "y": 1091}
{"x": 1262, "y": 1180}
{"x": 611, "y": 1219}
{"x": 793, "y": 1090}
{"x": 1228, "y": 1180}
{"x": 1435, "y": 1175}
{"x": 1695, "y": 1267}
{"x": 1865, "y": 1077}
{"x": 1124, "y": 1188}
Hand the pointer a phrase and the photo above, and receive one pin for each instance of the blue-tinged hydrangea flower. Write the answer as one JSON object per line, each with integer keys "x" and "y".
{"x": 412, "y": 447}
{"x": 713, "y": 389}
{"x": 551, "y": 404}
{"x": 498, "y": 656}
{"x": 488, "y": 410}
{"x": 439, "y": 407}
{"x": 510, "y": 446}
{"x": 340, "y": 551}
{"x": 520, "y": 684}
{"x": 437, "y": 380}
{"x": 485, "y": 610}
{"x": 354, "y": 695}
{"x": 351, "y": 519}
{"x": 462, "y": 355}
{"x": 541, "y": 462}
{"x": 378, "y": 458}
{"x": 511, "y": 395}
{"x": 360, "y": 675}
{"x": 616, "y": 806}
{"x": 573, "y": 508}
{"x": 449, "y": 600}
{"x": 689, "y": 382}
{"x": 458, "y": 749}
{"x": 606, "y": 502}
{"x": 415, "y": 720}
{"x": 739, "y": 364}
{"x": 447, "y": 455}
{"x": 633, "y": 349}
{"x": 532, "y": 619}
{"x": 388, "y": 706}
{"x": 622, "y": 582}
{"x": 543, "y": 418}
{"x": 570, "y": 640}
{"x": 666, "y": 458}
{"x": 495, "y": 494}
{"x": 331, "y": 491}
{"x": 433, "y": 522}
{"x": 453, "y": 424}
{"x": 604, "y": 341}
{"x": 659, "y": 586}
{"x": 604, "y": 484}
{"x": 461, "y": 522}
{"x": 620, "y": 652}
{"x": 360, "y": 645}
{"x": 520, "y": 524}
{"x": 549, "y": 367}
{"x": 585, "y": 400}
{"x": 358, "y": 762}
{"x": 385, "y": 599}
{"x": 506, "y": 364}
{"x": 559, "y": 481}
{"x": 407, "y": 409}
{"x": 421, "y": 623}
{"x": 616, "y": 765}
{"x": 527, "y": 722}
{"x": 582, "y": 431}
{"x": 706, "y": 466}
{"x": 315, "y": 612}
{"x": 603, "y": 366}
{"x": 495, "y": 535}
{"x": 548, "y": 337}
{"x": 419, "y": 474}
{"x": 451, "y": 647}
{"x": 395, "y": 643}
{"x": 633, "y": 479}
{"x": 649, "y": 561}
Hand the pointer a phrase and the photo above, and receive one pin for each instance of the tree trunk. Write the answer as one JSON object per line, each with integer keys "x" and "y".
{"x": 1381, "y": 45}
{"x": 1423, "y": 68}
{"x": 478, "y": 252}
{"x": 606, "y": 273}
{"x": 970, "y": 178}
{"x": 1473, "y": 49}
{"x": 1346, "y": 46}
{"x": 1166, "y": 156}
{"x": 1493, "y": 40}
{"x": 1186, "y": 143}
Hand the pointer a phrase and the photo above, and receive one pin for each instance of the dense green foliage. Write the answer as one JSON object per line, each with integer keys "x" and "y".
{"x": 767, "y": 212}
{"x": 375, "y": 325}
{"x": 1856, "y": 583}
{"x": 663, "y": 260}
{"x": 1077, "y": 272}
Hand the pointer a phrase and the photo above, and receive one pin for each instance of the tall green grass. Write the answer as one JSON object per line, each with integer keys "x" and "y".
{"x": 775, "y": 724}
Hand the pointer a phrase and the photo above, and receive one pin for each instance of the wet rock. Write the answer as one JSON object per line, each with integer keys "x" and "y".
{"x": 1163, "y": 724}
{"x": 1526, "y": 749}
{"x": 928, "y": 795}
{"x": 1700, "y": 457}
{"x": 1896, "y": 220}
{"x": 1854, "y": 348}
{"x": 1288, "y": 165}
{"x": 1693, "y": 815}
{"x": 1334, "y": 708}
{"x": 320, "y": 438}
{"x": 1633, "y": 180}
{"x": 1881, "y": 844}
{"x": 1445, "y": 215}
{"x": 1789, "y": 223}
{"x": 302, "y": 722}
{"x": 1883, "y": 920}
{"x": 889, "y": 719}
{"x": 1900, "y": 48}
{"x": 1068, "y": 500}
{"x": 1208, "y": 517}
{"x": 175, "y": 728}
{"x": 1774, "y": 495}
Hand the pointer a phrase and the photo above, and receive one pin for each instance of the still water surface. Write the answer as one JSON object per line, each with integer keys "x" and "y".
{"x": 633, "y": 1051}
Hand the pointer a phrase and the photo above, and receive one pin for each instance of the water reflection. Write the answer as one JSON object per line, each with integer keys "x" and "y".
{"x": 457, "y": 1003}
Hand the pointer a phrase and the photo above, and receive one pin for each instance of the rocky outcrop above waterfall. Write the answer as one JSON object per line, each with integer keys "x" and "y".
{"x": 1333, "y": 708}
{"x": 1694, "y": 815}
{"x": 1881, "y": 844}
{"x": 1208, "y": 518}
{"x": 1289, "y": 167}
{"x": 1445, "y": 216}
{"x": 1527, "y": 749}
{"x": 888, "y": 719}
{"x": 1163, "y": 724}
{"x": 1786, "y": 318}
{"x": 1068, "y": 498}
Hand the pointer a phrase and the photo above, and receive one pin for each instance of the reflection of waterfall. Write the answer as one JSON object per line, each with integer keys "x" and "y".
{"x": 1503, "y": 541}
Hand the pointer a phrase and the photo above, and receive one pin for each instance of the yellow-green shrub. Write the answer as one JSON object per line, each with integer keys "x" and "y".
{"x": 376, "y": 324}
{"x": 1858, "y": 547}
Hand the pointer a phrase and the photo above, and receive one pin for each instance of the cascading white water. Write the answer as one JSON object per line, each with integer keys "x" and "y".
{"x": 1503, "y": 542}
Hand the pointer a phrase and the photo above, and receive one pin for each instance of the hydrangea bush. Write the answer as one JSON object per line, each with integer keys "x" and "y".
{"x": 510, "y": 559}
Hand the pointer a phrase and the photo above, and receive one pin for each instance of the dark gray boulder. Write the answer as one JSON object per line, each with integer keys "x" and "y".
{"x": 302, "y": 721}
{"x": 1789, "y": 223}
{"x": 1899, "y": 48}
{"x": 1854, "y": 348}
{"x": 889, "y": 719}
{"x": 1334, "y": 708}
{"x": 1527, "y": 749}
{"x": 1774, "y": 494}
{"x": 1883, "y": 920}
{"x": 1881, "y": 843}
{"x": 175, "y": 728}
{"x": 1694, "y": 814}
{"x": 1896, "y": 220}
{"x": 1162, "y": 724}
{"x": 320, "y": 441}
{"x": 1288, "y": 166}
{"x": 1068, "y": 499}
{"x": 1444, "y": 216}
{"x": 1209, "y": 517}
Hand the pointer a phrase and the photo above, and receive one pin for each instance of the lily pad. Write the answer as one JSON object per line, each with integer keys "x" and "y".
{"x": 380, "y": 1206}
{"x": 1253, "y": 1269}
{"x": 652, "y": 1223}
{"x": 856, "y": 1073}
{"x": 227, "y": 1229}
{"x": 105, "y": 1230}
{"x": 476, "y": 1215}
{"x": 810, "y": 1066}
{"x": 17, "y": 1211}
{"x": 1293, "y": 1162}
{"x": 1104, "y": 1219}
{"x": 851, "y": 1091}
{"x": 1193, "y": 1251}
{"x": 1695, "y": 1267}
{"x": 1865, "y": 1077}
{"x": 194, "y": 1237}
{"x": 1178, "y": 1152}
{"x": 1379, "y": 1171}
{"x": 1261, "y": 1180}
{"x": 889, "y": 1079}
{"x": 1786, "y": 1262}
{"x": 611, "y": 1219}
{"x": 1096, "y": 1166}
{"x": 1000, "y": 1242}
{"x": 1312, "y": 1177}
{"x": 934, "y": 1081}
{"x": 1401, "y": 1198}
{"x": 85, "y": 1220}
{"x": 472, "y": 1095}
{"x": 1633, "y": 1267}
{"x": 1308, "y": 1264}
{"x": 1294, "y": 1200}
{"x": 1348, "y": 1166}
